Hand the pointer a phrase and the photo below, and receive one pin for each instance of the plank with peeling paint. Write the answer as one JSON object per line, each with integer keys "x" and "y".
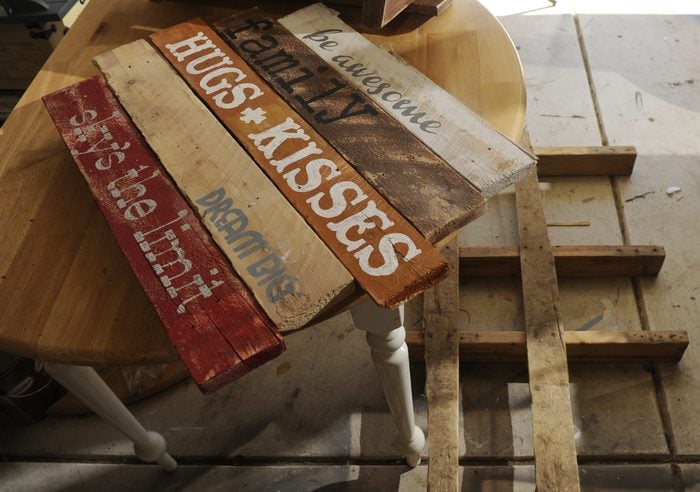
{"x": 475, "y": 149}
{"x": 217, "y": 327}
{"x": 390, "y": 260}
{"x": 421, "y": 186}
{"x": 291, "y": 273}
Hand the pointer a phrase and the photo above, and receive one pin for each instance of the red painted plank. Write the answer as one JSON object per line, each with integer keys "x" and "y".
{"x": 213, "y": 321}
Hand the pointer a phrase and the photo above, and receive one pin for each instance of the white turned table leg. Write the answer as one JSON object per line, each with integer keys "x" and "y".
{"x": 386, "y": 338}
{"x": 89, "y": 388}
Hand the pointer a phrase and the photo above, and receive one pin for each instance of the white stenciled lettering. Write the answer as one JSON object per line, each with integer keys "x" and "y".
{"x": 237, "y": 95}
{"x": 314, "y": 178}
{"x": 361, "y": 221}
{"x": 275, "y": 136}
{"x": 195, "y": 67}
{"x": 222, "y": 83}
{"x": 190, "y": 46}
{"x": 337, "y": 196}
{"x": 387, "y": 250}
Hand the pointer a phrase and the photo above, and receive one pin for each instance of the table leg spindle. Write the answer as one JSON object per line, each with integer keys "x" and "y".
{"x": 386, "y": 338}
{"x": 88, "y": 387}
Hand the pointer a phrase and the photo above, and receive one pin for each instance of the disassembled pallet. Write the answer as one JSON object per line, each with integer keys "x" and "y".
{"x": 544, "y": 343}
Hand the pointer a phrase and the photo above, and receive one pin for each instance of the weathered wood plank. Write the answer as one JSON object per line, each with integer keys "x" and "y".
{"x": 471, "y": 146}
{"x": 382, "y": 251}
{"x": 585, "y": 161}
{"x": 581, "y": 346}
{"x": 214, "y": 323}
{"x": 440, "y": 312}
{"x": 556, "y": 468}
{"x": 378, "y": 13}
{"x": 420, "y": 185}
{"x": 570, "y": 261}
{"x": 290, "y": 271}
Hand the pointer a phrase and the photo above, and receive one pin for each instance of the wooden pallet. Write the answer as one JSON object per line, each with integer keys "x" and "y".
{"x": 544, "y": 343}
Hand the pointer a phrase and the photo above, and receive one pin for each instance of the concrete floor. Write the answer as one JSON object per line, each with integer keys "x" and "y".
{"x": 322, "y": 424}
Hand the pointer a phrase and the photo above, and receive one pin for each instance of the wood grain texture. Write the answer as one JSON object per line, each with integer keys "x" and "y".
{"x": 441, "y": 325}
{"x": 581, "y": 346}
{"x": 211, "y": 318}
{"x": 556, "y": 468}
{"x": 75, "y": 307}
{"x": 420, "y": 185}
{"x": 291, "y": 273}
{"x": 390, "y": 260}
{"x": 475, "y": 149}
{"x": 570, "y": 261}
{"x": 586, "y": 161}
{"x": 378, "y": 13}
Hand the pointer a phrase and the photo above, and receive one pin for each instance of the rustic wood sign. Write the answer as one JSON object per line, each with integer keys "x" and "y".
{"x": 384, "y": 253}
{"x": 420, "y": 185}
{"x": 289, "y": 270}
{"x": 470, "y": 145}
{"x": 211, "y": 318}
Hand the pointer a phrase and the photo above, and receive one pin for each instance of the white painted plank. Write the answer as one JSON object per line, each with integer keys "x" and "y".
{"x": 471, "y": 146}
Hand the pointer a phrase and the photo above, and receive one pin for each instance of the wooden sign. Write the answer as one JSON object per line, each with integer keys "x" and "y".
{"x": 384, "y": 253}
{"x": 211, "y": 318}
{"x": 289, "y": 270}
{"x": 420, "y": 185}
{"x": 471, "y": 146}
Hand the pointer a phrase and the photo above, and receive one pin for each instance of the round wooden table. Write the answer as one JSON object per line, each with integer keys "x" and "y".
{"x": 67, "y": 295}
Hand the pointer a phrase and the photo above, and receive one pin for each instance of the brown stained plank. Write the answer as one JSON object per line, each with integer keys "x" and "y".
{"x": 378, "y": 13}
{"x": 581, "y": 346}
{"x": 421, "y": 186}
{"x": 440, "y": 312}
{"x": 585, "y": 161}
{"x": 289, "y": 270}
{"x": 211, "y": 318}
{"x": 390, "y": 260}
{"x": 570, "y": 261}
{"x": 473, "y": 148}
{"x": 556, "y": 468}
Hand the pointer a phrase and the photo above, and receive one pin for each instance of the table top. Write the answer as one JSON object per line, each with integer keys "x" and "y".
{"x": 67, "y": 293}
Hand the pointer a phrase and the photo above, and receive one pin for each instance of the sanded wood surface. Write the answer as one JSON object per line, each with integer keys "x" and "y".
{"x": 476, "y": 150}
{"x": 291, "y": 273}
{"x": 441, "y": 327}
{"x": 556, "y": 468}
{"x": 585, "y": 161}
{"x": 390, "y": 260}
{"x": 74, "y": 306}
{"x": 581, "y": 346}
{"x": 426, "y": 190}
{"x": 570, "y": 261}
{"x": 213, "y": 321}
{"x": 378, "y": 13}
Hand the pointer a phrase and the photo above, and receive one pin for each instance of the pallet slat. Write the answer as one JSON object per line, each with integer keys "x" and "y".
{"x": 570, "y": 261}
{"x": 211, "y": 318}
{"x": 427, "y": 191}
{"x": 387, "y": 256}
{"x": 581, "y": 346}
{"x": 585, "y": 161}
{"x": 289, "y": 270}
{"x": 441, "y": 321}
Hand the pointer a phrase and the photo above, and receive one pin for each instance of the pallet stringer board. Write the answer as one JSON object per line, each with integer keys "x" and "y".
{"x": 586, "y": 161}
{"x": 570, "y": 261}
{"x": 556, "y": 468}
{"x": 440, "y": 318}
{"x": 581, "y": 346}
